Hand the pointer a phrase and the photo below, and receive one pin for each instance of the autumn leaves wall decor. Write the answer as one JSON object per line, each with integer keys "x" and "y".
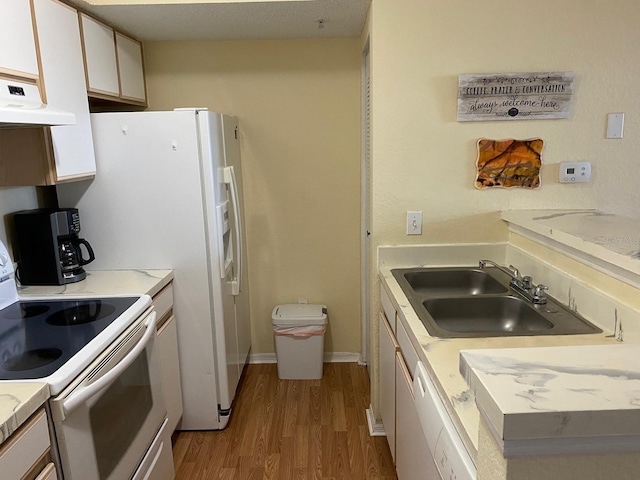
{"x": 509, "y": 163}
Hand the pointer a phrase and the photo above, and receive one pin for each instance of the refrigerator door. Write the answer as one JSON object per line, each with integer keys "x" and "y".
{"x": 222, "y": 256}
{"x": 241, "y": 299}
{"x": 145, "y": 210}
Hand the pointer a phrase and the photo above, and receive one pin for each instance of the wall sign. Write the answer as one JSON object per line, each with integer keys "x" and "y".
{"x": 514, "y": 96}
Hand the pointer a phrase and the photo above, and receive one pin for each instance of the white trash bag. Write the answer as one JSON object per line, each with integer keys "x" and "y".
{"x": 304, "y": 331}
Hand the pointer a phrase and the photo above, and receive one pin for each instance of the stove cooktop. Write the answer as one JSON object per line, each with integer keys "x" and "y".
{"x": 37, "y": 337}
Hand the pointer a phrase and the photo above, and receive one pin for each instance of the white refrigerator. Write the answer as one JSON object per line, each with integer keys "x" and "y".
{"x": 167, "y": 194}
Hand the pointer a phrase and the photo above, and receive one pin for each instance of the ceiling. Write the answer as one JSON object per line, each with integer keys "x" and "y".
{"x": 233, "y": 19}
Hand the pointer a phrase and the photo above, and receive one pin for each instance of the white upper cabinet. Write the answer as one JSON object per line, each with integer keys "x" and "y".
{"x": 100, "y": 58}
{"x": 113, "y": 63}
{"x": 64, "y": 87}
{"x": 130, "y": 67}
{"x": 18, "y": 53}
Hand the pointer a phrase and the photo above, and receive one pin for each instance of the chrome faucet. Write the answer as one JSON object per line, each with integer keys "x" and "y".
{"x": 522, "y": 285}
{"x": 511, "y": 271}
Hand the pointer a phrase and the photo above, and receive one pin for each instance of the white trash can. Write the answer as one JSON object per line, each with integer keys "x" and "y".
{"x": 299, "y": 334}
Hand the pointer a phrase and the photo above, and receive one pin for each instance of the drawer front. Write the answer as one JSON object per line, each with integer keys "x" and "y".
{"x": 163, "y": 304}
{"x": 49, "y": 473}
{"x": 408, "y": 352}
{"x": 25, "y": 447}
{"x": 389, "y": 310}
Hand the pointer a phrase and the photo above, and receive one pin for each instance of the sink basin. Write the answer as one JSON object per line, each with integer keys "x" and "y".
{"x": 472, "y": 302}
{"x": 447, "y": 281}
{"x": 485, "y": 315}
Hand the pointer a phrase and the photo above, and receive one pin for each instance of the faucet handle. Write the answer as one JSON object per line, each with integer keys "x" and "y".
{"x": 538, "y": 294}
{"x": 516, "y": 272}
{"x": 539, "y": 291}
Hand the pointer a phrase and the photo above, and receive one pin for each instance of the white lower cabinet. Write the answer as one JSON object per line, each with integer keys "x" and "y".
{"x": 405, "y": 436}
{"x": 388, "y": 349}
{"x": 167, "y": 344}
{"x": 25, "y": 455}
{"x": 413, "y": 458}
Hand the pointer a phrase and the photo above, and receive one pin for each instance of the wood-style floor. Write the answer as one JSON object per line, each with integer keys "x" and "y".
{"x": 291, "y": 429}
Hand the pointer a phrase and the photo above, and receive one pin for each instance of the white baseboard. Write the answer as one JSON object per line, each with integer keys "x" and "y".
{"x": 262, "y": 358}
{"x": 375, "y": 429}
{"x": 329, "y": 357}
{"x": 341, "y": 357}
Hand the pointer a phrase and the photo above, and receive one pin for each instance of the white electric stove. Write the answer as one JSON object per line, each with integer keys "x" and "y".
{"x": 106, "y": 413}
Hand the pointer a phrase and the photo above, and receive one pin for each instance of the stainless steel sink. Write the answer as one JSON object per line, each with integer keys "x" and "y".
{"x": 439, "y": 281}
{"x": 486, "y": 315}
{"x": 472, "y": 302}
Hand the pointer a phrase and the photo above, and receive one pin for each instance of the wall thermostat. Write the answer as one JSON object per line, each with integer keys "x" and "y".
{"x": 575, "y": 172}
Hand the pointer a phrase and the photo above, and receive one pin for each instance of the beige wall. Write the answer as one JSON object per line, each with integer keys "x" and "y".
{"x": 298, "y": 103}
{"x": 423, "y": 159}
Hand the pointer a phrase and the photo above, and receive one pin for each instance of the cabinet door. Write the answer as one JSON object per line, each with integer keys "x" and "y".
{"x": 64, "y": 87}
{"x": 100, "y": 58}
{"x": 24, "y": 447}
{"x": 16, "y": 30}
{"x": 131, "y": 69}
{"x": 168, "y": 348}
{"x": 388, "y": 349}
{"x": 413, "y": 458}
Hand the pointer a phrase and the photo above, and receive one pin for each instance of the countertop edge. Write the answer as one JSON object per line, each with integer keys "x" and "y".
{"x": 107, "y": 282}
{"x": 18, "y": 401}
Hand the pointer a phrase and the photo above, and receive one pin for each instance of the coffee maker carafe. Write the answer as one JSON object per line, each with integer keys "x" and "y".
{"x": 48, "y": 248}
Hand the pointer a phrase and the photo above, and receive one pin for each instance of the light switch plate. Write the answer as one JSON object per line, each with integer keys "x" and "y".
{"x": 575, "y": 172}
{"x": 615, "y": 125}
{"x": 414, "y": 223}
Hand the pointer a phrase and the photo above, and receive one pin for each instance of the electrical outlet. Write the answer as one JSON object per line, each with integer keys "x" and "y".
{"x": 414, "y": 223}
{"x": 302, "y": 301}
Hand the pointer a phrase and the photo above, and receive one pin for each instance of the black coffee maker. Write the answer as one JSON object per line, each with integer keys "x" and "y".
{"x": 47, "y": 247}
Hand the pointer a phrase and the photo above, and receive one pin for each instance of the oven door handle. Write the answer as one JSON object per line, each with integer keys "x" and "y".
{"x": 84, "y": 393}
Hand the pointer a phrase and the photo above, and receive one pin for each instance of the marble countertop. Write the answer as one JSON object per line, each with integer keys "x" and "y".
{"x": 558, "y": 393}
{"x": 441, "y": 358}
{"x": 605, "y": 238}
{"x": 19, "y": 400}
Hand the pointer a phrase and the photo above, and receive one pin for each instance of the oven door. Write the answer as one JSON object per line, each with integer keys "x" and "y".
{"x": 107, "y": 419}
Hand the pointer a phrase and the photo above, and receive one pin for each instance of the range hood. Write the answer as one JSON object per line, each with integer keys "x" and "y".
{"x": 21, "y": 106}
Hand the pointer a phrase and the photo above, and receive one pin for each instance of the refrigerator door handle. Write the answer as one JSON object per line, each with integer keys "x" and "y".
{"x": 230, "y": 179}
